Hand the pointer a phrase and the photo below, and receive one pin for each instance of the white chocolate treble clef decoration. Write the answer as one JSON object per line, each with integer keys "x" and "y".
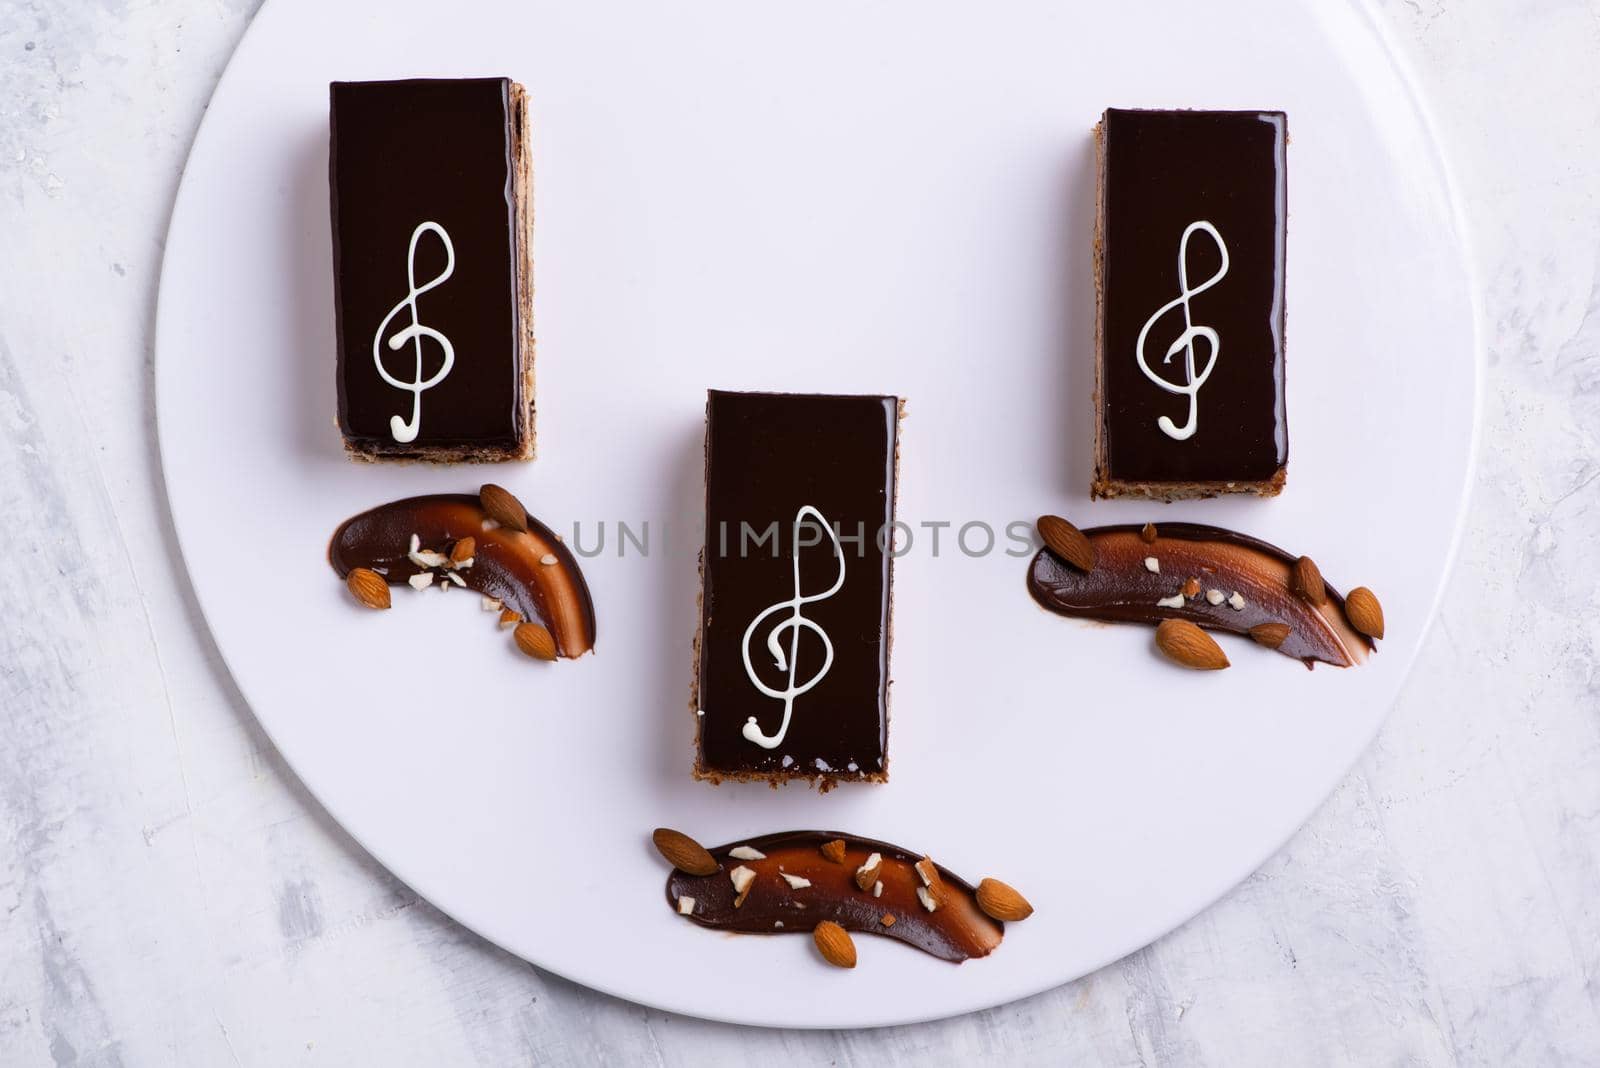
{"x": 402, "y": 429}
{"x": 1194, "y": 376}
{"x": 793, "y": 623}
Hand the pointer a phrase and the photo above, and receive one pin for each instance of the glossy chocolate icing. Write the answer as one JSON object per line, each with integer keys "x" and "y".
{"x": 767, "y": 456}
{"x": 1121, "y": 589}
{"x": 1161, "y": 172}
{"x": 404, "y": 153}
{"x": 507, "y": 565}
{"x": 956, "y": 931}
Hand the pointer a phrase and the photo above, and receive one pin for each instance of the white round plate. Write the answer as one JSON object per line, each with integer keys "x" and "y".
{"x": 893, "y": 197}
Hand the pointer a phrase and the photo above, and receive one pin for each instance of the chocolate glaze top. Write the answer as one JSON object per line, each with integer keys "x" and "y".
{"x": 400, "y": 154}
{"x": 956, "y": 931}
{"x": 1121, "y": 589}
{"x": 767, "y": 455}
{"x": 507, "y": 565}
{"x": 1163, "y": 171}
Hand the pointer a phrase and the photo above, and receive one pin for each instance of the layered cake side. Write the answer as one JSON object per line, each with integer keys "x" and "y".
{"x": 1190, "y": 246}
{"x": 792, "y": 678}
{"x": 433, "y": 284}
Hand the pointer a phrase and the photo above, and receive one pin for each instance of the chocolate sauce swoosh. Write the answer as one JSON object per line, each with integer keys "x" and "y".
{"x": 1122, "y": 589}
{"x": 507, "y": 564}
{"x": 956, "y": 930}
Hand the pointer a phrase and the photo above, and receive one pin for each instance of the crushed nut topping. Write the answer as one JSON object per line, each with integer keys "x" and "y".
{"x": 685, "y": 906}
{"x": 929, "y": 902}
{"x": 796, "y": 882}
{"x": 549, "y": 559}
{"x": 742, "y": 878}
{"x": 744, "y": 852}
{"x": 1215, "y": 596}
{"x": 1175, "y": 601}
{"x": 428, "y": 558}
{"x": 490, "y": 604}
{"x": 421, "y": 581}
{"x": 1236, "y": 602}
{"x": 1152, "y": 565}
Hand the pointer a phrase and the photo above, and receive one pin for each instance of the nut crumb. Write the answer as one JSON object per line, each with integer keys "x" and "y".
{"x": 1215, "y": 596}
{"x": 888, "y": 919}
{"x": 742, "y": 878}
{"x": 1152, "y": 565}
{"x": 796, "y": 882}
{"x": 867, "y": 874}
{"x": 1175, "y": 601}
{"x": 549, "y": 559}
{"x": 421, "y": 581}
{"x": 1191, "y": 588}
{"x": 490, "y": 604}
{"x": 1236, "y": 602}
{"x": 685, "y": 906}
{"x": 744, "y": 852}
{"x": 428, "y": 558}
{"x": 929, "y": 902}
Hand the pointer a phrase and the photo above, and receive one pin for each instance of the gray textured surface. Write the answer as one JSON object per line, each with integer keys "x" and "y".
{"x": 168, "y": 892}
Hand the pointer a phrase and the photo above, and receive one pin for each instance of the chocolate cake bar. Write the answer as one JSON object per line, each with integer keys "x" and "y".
{"x": 433, "y": 270}
{"x": 793, "y": 649}
{"x": 1189, "y": 251}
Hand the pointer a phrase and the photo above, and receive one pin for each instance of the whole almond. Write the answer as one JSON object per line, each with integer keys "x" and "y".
{"x": 368, "y": 587}
{"x": 535, "y": 640}
{"x": 1306, "y": 581}
{"x": 1187, "y": 644}
{"x": 835, "y": 944}
{"x": 463, "y": 550}
{"x": 1271, "y": 635}
{"x": 1002, "y": 902}
{"x": 1067, "y": 542}
{"x": 834, "y": 850}
{"x": 1147, "y": 533}
{"x": 1362, "y": 609}
{"x": 683, "y": 852}
{"x": 503, "y": 508}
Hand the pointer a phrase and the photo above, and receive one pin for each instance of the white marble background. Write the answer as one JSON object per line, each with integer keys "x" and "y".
{"x": 169, "y": 893}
